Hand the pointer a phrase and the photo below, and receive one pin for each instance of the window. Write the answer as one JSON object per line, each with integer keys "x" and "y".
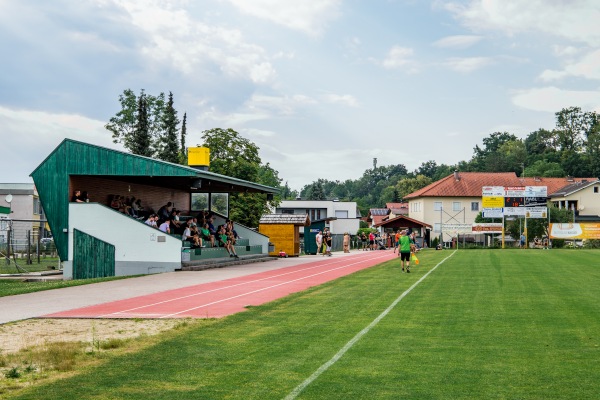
{"x": 437, "y": 227}
{"x": 456, "y": 206}
{"x": 595, "y": 189}
{"x": 219, "y": 202}
{"x": 287, "y": 211}
{"x": 474, "y": 206}
{"x": 37, "y": 209}
{"x": 341, "y": 214}
{"x": 314, "y": 214}
{"x": 437, "y": 206}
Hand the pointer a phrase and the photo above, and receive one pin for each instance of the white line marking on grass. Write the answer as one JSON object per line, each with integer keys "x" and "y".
{"x": 294, "y": 393}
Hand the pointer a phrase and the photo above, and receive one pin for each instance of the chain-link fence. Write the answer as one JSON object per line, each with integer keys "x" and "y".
{"x": 25, "y": 246}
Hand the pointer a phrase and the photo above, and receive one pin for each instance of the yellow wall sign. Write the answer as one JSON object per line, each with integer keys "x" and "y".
{"x": 492, "y": 201}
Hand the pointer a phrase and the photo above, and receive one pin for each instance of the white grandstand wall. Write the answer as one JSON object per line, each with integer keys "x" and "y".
{"x": 139, "y": 249}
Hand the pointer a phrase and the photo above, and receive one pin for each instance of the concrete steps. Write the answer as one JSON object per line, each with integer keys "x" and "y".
{"x": 199, "y": 265}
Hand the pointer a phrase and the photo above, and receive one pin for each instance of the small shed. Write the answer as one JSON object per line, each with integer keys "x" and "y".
{"x": 283, "y": 231}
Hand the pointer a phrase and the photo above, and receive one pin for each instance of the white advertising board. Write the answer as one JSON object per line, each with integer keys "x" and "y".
{"x": 519, "y": 211}
{"x": 492, "y": 213}
{"x": 492, "y": 191}
{"x": 536, "y": 212}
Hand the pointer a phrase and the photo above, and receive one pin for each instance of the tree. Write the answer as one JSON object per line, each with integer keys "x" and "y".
{"x": 140, "y": 139}
{"x": 571, "y": 126}
{"x": 490, "y": 157}
{"x": 542, "y": 168}
{"x": 183, "y": 151}
{"x": 409, "y": 185}
{"x": 237, "y": 157}
{"x": 167, "y": 143}
{"x": 124, "y": 124}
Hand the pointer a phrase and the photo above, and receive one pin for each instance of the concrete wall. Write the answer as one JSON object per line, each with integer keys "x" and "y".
{"x": 139, "y": 249}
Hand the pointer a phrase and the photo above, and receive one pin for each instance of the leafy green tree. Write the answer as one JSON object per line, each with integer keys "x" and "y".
{"x": 238, "y": 157}
{"x": 124, "y": 124}
{"x": 167, "y": 143}
{"x": 140, "y": 139}
{"x": 543, "y": 168}
{"x": 490, "y": 157}
{"x": 571, "y": 126}
{"x": 410, "y": 185}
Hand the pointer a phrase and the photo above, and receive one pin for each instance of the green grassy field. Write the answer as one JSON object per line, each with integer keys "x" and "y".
{"x": 486, "y": 324}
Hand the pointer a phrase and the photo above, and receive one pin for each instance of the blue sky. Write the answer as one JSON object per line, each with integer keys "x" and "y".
{"x": 321, "y": 86}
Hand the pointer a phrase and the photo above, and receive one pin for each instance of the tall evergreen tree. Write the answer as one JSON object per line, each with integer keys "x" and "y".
{"x": 140, "y": 139}
{"x": 183, "y": 151}
{"x": 125, "y": 123}
{"x": 168, "y": 143}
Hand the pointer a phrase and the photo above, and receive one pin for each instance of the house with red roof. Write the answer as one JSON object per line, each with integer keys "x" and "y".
{"x": 453, "y": 202}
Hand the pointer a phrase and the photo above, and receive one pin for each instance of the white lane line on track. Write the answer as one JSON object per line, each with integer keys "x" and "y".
{"x": 294, "y": 393}
{"x": 263, "y": 289}
{"x": 332, "y": 262}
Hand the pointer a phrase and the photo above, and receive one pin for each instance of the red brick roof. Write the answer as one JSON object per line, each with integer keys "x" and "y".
{"x": 469, "y": 184}
{"x": 393, "y": 206}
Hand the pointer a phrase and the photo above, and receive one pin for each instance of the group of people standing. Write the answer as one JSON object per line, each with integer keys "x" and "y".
{"x": 324, "y": 242}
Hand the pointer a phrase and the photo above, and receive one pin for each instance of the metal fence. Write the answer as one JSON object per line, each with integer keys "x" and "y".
{"x": 25, "y": 246}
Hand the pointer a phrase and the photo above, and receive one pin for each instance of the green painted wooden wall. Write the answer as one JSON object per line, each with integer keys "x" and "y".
{"x": 92, "y": 257}
{"x": 51, "y": 178}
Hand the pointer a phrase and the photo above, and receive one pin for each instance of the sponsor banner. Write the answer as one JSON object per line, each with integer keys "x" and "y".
{"x": 487, "y": 228}
{"x": 575, "y": 231}
{"x": 457, "y": 228}
{"x": 492, "y": 191}
{"x": 536, "y": 212}
{"x": 514, "y": 191}
{"x": 535, "y": 201}
{"x": 492, "y": 202}
{"x": 536, "y": 191}
{"x": 518, "y": 211}
{"x": 492, "y": 213}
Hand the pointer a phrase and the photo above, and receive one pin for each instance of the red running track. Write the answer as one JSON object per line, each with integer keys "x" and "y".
{"x": 222, "y": 298}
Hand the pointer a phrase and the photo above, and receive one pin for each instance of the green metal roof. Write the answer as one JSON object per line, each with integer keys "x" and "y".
{"x": 72, "y": 157}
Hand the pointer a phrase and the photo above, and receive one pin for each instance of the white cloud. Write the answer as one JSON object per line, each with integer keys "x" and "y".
{"x": 37, "y": 133}
{"x": 308, "y": 16}
{"x": 468, "y": 64}
{"x": 345, "y": 99}
{"x": 575, "y": 20}
{"x": 458, "y": 41}
{"x": 587, "y": 67}
{"x": 552, "y": 99}
{"x": 174, "y": 38}
{"x": 398, "y": 57}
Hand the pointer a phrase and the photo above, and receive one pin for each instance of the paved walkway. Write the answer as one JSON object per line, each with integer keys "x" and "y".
{"x": 33, "y": 305}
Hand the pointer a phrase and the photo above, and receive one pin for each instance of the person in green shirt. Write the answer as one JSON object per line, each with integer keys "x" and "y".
{"x": 404, "y": 245}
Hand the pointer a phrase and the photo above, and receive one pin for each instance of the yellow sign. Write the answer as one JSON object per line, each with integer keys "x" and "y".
{"x": 198, "y": 156}
{"x": 575, "y": 231}
{"x": 492, "y": 202}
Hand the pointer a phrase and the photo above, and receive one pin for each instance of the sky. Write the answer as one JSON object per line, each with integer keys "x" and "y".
{"x": 322, "y": 87}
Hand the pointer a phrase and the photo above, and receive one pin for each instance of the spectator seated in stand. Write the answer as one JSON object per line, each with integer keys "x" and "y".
{"x": 164, "y": 212}
{"x": 206, "y": 235}
{"x": 151, "y": 221}
{"x": 165, "y": 227}
{"x": 76, "y": 198}
{"x": 176, "y": 225}
{"x": 225, "y": 242}
{"x": 190, "y": 234}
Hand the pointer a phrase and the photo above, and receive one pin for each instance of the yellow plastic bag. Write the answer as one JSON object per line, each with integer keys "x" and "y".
{"x": 414, "y": 258}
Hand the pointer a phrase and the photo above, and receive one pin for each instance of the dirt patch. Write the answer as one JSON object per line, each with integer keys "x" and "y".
{"x": 32, "y": 332}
